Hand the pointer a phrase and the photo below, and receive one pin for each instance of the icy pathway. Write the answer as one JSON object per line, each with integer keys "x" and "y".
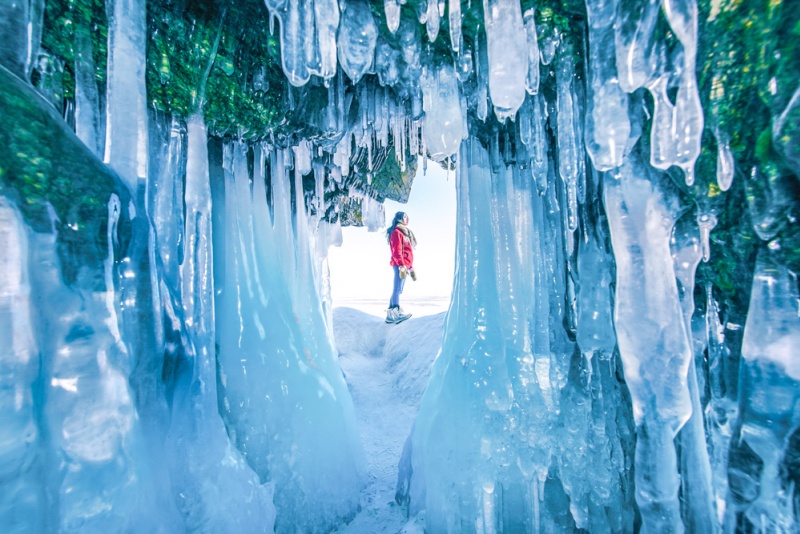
{"x": 387, "y": 368}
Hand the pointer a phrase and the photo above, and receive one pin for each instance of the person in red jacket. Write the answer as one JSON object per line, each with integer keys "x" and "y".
{"x": 401, "y": 242}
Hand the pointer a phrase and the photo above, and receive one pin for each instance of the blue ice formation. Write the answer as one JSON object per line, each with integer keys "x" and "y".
{"x": 167, "y": 361}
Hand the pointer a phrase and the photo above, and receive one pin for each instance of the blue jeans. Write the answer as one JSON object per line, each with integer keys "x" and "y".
{"x": 394, "y": 302}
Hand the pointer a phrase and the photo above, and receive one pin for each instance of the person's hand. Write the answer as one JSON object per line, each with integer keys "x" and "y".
{"x": 413, "y": 274}
{"x": 403, "y": 272}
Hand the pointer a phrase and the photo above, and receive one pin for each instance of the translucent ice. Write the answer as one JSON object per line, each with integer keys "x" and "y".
{"x": 508, "y": 61}
{"x": 126, "y": 109}
{"x": 532, "y": 80}
{"x": 633, "y": 32}
{"x": 443, "y": 120}
{"x": 771, "y": 379}
{"x": 294, "y": 28}
{"x": 607, "y": 125}
{"x": 357, "y": 37}
{"x": 326, "y": 16}
{"x": 454, "y": 14}
{"x": 651, "y": 333}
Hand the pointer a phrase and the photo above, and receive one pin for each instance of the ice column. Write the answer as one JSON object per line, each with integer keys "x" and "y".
{"x": 126, "y": 130}
{"x": 508, "y": 60}
{"x": 22, "y": 499}
{"x": 507, "y": 424}
{"x": 770, "y": 385}
{"x": 215, "y": 489}
{"x": 283, "y": 393}
{"x": 651, "y": 334}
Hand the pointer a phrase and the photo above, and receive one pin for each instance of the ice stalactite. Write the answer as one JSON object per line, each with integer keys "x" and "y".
{"x": 357, "y": 37}
{"x": 770, "y": 381}
{"x": 392, "y": 10}
{"x": 698, "y": 506}
{"x": 214, "y": 488}
{"x": 722, "y": 409}
{"x": 688, "y": 126}
{"x": 87, "y": 99}
{"x": 651, "y": 333}
{"x": 275, "y": 356}
{"x": 570, "y": 147}
{"x": 126, "y": 109}
{"x": 607, "y": 125}
{"x": 633, "y": 33}
{"x": 454, "y": 19}
{"x": 506, "y": 45}
{"x": 326, "y": 15}
{"x": 294, "y": 27}
{"x": 532, "y": 80}
{"x": 443, "y": 116}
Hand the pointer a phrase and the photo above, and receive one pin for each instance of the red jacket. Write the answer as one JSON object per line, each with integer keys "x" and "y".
{"x": 402, "y": 253}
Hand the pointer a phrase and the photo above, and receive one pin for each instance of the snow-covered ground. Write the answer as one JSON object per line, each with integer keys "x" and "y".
{"x": 387, "y": 369}
{"x": 418, "y": 306}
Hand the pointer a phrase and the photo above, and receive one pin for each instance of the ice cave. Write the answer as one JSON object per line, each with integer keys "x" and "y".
{"x": 620, "y": 352}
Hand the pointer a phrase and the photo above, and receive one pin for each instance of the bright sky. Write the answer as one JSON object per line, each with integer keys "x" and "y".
{"x": 360, "y": 267}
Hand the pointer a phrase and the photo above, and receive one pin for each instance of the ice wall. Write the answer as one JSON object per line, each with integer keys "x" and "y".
{"x": 520, "y": 427}
{"x": 607, "y": 362}
{"x": 283, "y": 395}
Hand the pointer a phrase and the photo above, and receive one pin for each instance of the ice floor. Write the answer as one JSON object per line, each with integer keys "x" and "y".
{"x": 387, "y": 368}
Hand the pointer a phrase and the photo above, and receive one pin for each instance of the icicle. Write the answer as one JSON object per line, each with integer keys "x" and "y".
{"x": 357, "y": 37}
{"x": 432, "y": 20}
{"x": 725, "y": 163}
{"x": 293, "y": 40}
{"x": 464, "y": 63}
{"x": 647, "y": 307}
{"x": 634, "y": 27}
{"x": 454, "y": 14}
{"x": 682, "y": 17}
{"x": 662, "y": 147}
{"x": 326, "y": 13}
{"x": 706, "y": 222}
{"x": 87, "y": 99}
{"x": 568, "y": 145}
{"x": 303, "y": 157}
{"x": 464, "y": 121}
{"x": 126, "y": 108}
{"x": 392, "y": 10}
{"x": 539, "y": 163}
{"x": 607, "y": 125}
{"x": 549, "y": 39}
{"x": 688, "y": 125}
{"x": 443, "y": 120}
{"x": 532, "y": 81}
{"x": 506, "y": 44}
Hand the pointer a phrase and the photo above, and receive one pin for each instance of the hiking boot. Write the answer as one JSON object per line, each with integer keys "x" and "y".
{"x": 400, "y": 315}
{"x": 391, "y": 316}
